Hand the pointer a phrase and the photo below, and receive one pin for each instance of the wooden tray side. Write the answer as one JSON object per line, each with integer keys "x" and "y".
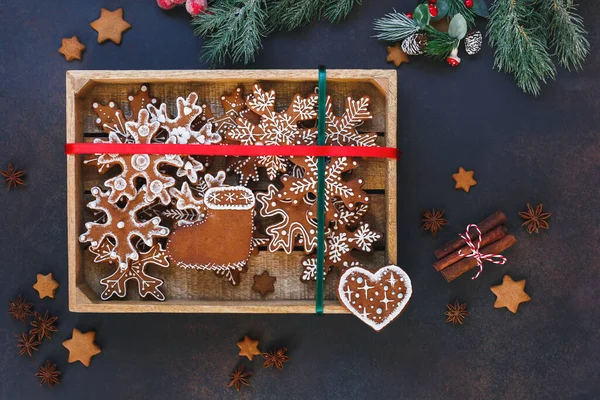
{"x": 83, "y": 87}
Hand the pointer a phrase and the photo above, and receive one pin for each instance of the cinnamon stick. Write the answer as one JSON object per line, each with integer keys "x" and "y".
{"x": 497, "y": 218}
{"x": 495, "y": 234}
{"x": 458, "y": 268}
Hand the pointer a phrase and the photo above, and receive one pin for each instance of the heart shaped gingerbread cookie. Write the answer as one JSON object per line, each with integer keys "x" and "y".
{"x": 375, "y": 298}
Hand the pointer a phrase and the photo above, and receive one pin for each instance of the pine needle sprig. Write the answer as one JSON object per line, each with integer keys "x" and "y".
{"x": 291, "y": 14}
{"x": 337, "y": 10}
{"x": 516, "y": 32}
{"x": 395, "y": 27}
{"x": 232, "y": 30}
{"x": 439, "y": 44}
{"x": 459, "y": 7}
{"x": 567, "y": 33}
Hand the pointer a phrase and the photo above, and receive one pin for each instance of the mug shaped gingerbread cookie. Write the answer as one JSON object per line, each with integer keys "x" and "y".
{"x": 222, "y": 240}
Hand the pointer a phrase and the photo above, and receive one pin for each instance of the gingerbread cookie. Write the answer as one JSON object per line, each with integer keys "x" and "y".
{"x": 115, "y": 284}
{"x": 82, "y": 347}
{"x": 221, "y": 242}
{"x": 340, "y": 242}
{"x": 139, "y": 166}
{"x": 341, "y": 131}
{"x": 375, "y": 298}
{"x": 110, "y": 25}
{"x": 336, "y": 187}
{"x": 112, "y": 119}
{"x": 274, "y": 128}
{"x": 296, "y": 226}
{"x": 71, "y": 48}
{"x": 121, "y": 225}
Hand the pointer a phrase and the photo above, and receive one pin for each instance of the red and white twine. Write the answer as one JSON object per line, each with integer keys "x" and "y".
{"x": 476, "y": 254}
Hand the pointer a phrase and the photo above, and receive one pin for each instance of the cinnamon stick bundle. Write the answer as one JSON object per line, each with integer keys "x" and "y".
{"x": 455, "y": 270}
{"x": 494, "y": 220}
{"x": 495, "y": 234}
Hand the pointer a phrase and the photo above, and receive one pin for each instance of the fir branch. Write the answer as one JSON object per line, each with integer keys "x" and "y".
{"x": 517, "y": 34}
{"x": 232, "y": 29}
{"x": 567, "y": 33}
{"x": 459, "y": 7}
{"x": 337, "y": 10}
{"x": 439, "y": 44}
{"x": 395, "y": 27}
{"x": 291, "y": 14}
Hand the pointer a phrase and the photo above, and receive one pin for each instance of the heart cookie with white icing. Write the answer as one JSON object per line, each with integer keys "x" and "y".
{"x": 375, "y": 298}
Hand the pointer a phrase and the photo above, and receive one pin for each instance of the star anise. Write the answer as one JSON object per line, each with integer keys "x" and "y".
{"x": 27, "y": 344}
{"x": 456, "y": 313}
{"x": 48, "y": 374}
{"x": 239, "y": 377}
{"x": 13, "y": 176}
{"x": 275, "y": 358}
{"x": 535, "y": 219}
{"x": 43, "y": 326}
{"x": 19, "y": 308}
{"x": 433, "y": 221}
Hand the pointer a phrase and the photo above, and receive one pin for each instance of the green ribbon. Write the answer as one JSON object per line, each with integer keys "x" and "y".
{"x": 321, "y": 193}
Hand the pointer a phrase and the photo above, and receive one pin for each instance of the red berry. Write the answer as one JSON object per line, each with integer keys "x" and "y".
{"x": 178, "y": 1}
{"x": 469, "y": 3}
{"x": 432, "y": 1}
{"x": 195, "y": 7}
{"x": 409, "y": 15}
{"x": 433, "y": 10}
{"x": 165, "y": 4}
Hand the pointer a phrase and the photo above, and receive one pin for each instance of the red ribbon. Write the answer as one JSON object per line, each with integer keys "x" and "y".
{"x": 476, "y": 254}
{"x": 231, "y": 150}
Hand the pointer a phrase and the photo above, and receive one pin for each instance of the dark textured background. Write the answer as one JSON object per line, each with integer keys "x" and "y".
{"x": 521, "y": 148}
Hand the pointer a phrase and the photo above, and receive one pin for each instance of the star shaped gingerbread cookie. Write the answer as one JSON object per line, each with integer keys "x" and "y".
{"x": 110, "y": 25}
{"x": 464, "y": 179}
{"x": 71, "y": 48}
{"x": 510, "y": 294}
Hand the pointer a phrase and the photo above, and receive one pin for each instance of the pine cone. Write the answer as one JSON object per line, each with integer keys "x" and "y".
{"x": 414, "y": 45}
{"x": 473, "y": 42}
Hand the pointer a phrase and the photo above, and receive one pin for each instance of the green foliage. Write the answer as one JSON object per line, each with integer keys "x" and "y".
{"x": 233, "y": 29}
{"x": 458, "y": 27}
{"x": 524, "y": 33}
{"x": 337, "y": 10}
{"x": 421, "y": 15}
{"x": 395, "y": 27}
{"x": 480, "y": 8}
{"x": 291, "y": 14}
{"x": 517, "y": 33}
{"x": 567, "y": 34}
{"x": 440, "y": 44}
{"x": 458, "y": 7}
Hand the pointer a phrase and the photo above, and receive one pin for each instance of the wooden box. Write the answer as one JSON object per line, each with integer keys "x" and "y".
{"x": 202, "y": 291}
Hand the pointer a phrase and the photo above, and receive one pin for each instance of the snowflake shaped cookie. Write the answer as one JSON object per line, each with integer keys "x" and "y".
{"x": 112, "y": 119}
{"x": 122, "y": 226}
{"x": 135, "y": 166}
{"x": 336, "y": 188}
{"x": 274, "y": 128}
{"x": 339, "y": 244}
{"x": 115, "y": 284}
{"x": 341, "y": 131}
